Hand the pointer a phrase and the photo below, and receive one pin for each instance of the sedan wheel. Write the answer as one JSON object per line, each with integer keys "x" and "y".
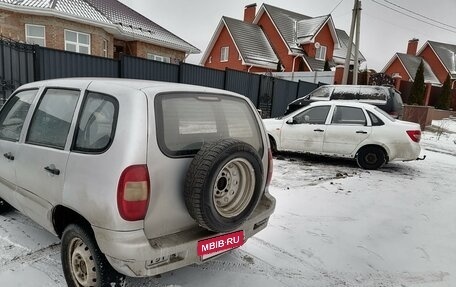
{"x": 371, "y": 157}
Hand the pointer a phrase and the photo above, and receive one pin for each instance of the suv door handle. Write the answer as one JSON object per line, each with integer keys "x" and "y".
{"x": 52, "y": 169}
{"x": 318, "y": 130}
{"x": 9, "y": 155}
{"x": 361, "y": 132}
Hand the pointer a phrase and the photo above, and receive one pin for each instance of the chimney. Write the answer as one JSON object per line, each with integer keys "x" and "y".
{"x": 412, "y": 47}
{"x": 249, "y": 13}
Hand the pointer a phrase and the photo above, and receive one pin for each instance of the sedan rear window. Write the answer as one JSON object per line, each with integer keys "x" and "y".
{"x": 385, "y": 114}
{"x": 186, "y": 121}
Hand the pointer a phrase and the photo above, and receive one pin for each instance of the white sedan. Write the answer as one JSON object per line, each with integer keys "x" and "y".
{"x": 346, "y": 129}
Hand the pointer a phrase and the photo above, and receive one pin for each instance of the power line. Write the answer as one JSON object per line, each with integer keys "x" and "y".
{"x": 418, "y": 14}
{"x": 413, "y": 17}
{"x": 336, "y": 6}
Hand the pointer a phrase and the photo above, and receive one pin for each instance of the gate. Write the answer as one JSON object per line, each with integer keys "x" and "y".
{"x": 16, "y": 66}
{"x": 265, "y": 96}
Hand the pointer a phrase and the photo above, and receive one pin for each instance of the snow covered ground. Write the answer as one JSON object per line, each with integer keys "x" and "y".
{"x": 335, "y": 225}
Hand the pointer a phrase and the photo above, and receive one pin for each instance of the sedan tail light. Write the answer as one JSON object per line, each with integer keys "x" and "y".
{"x": 133, "y": 193}
{"x": 415, "y": 135}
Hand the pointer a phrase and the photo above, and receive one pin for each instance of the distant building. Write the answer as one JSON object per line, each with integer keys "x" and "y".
{"x": 439, "y": 61}
{"x": 103, "y": 28}
{"x": 275, "y": 39}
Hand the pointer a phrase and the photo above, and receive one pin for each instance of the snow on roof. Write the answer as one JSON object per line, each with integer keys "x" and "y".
{"x": 252, "y": 43}
{"x": 111, "y": 12}
{"x": 307, "y": 29}
{"x": 411, "y": 64}
{"x": 446, "y": 53}
{"x": 298, "y": 28}
{"x": 342, "y": 52}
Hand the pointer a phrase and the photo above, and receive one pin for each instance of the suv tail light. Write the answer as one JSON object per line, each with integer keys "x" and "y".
{"x": 133, "y": 193}
{"x": 415, "y": 135}
{"x": 394, "y": 115}
{"x": 270, "y": 167}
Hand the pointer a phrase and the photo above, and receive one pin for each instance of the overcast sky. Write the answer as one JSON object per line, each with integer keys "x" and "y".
{"x": 383, "y": 31}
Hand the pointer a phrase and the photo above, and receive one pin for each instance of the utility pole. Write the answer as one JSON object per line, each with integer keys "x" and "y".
{"x": 356, "y": 23}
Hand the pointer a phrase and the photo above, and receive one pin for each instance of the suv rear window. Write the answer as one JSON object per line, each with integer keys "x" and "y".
{"x": 185, "y": 121}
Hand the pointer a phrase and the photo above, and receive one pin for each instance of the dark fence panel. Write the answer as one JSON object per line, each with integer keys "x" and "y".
{"x": 243, "y": 83}
{"x": 201, "y": 76}
{"x": 138, "y": 68}
{"x": 453, "y": 99}
{"x": 304, "y": 88}
{"x": 405, "y": 89}
{"x": 16, "y": 66}
{"x": 284, "y": 93}
{"x": 22, "y": 63}
{"x": 265, "y": 96}
{"x": 61, "y": 64}
{"x": 436, "y": 92}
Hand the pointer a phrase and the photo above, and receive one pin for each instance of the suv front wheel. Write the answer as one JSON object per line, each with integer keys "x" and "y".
{"x": 83, "y": 263}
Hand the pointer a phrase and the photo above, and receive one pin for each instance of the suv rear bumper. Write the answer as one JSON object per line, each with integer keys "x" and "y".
{"x": 132, "y": 254}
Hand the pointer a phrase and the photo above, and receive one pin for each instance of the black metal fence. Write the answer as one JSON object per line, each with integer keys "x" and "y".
{"x": 16, "y": 67}
{"x": 22, "y": 63}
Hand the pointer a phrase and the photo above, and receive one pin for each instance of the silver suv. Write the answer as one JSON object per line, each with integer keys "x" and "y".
{"x": 145, "y": 176}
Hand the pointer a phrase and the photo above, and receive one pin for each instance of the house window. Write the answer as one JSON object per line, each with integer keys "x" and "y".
{"x": 321, "y": 53}
{"x": 77, "y": 42}
{"x": 105, "y": 48}
{"x": 154, "y": 57}
{"x": 224, "y": 54}
{"x": 35, "y": 34}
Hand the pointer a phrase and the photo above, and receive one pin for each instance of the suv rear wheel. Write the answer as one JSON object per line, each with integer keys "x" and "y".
{"x": 83, "y": 263}
{"x": 223, "y": 184}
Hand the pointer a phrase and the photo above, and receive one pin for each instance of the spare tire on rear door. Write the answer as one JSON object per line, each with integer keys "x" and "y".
{"x": 224, "y": 184}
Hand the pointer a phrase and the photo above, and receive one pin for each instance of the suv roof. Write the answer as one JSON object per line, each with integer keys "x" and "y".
{"x": 130, "y": 83}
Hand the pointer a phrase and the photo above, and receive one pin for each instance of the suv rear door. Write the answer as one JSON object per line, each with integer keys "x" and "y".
{"x": 180, "y": 123}
{"x": 43, "y": 155}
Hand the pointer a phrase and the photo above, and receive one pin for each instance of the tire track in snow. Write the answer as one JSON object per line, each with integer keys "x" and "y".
{"x": 31, "y": 257}
{"x": 336, "y": 281}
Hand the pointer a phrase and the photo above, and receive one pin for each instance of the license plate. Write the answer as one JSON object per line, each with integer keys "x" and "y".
{"x": 219, "y": 244}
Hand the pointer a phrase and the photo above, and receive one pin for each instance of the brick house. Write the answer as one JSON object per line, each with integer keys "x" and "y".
{"x": 438, "y": 59}
{"x": 275, "y": 39}
{"x": 103, "y": 28}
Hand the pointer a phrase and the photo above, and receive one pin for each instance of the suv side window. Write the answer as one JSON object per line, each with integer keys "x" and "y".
{"x": 321, "y": 93}
{"x": 373, "y": 93}
{"x": 96, "y": 124}
{"x": 315, "y": 115}
{"x": 52, "y": 119}
{"x": 345, "y": 93}
{"x": 348, "y": 116}
{"x": 13, "y": 114}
